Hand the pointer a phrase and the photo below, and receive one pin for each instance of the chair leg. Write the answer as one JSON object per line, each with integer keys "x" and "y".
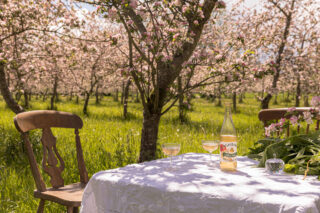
{"x": 41, "y": 206}
{"x": 69, "y": 209}
{"x": 75, "y": 209}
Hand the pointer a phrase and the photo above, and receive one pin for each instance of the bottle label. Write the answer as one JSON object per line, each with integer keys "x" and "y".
{"x": 228, "y": 151}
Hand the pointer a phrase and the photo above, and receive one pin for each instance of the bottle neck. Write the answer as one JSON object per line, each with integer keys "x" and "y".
{"x": 228, "y": 110}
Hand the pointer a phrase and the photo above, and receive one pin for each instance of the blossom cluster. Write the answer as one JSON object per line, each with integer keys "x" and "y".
{"x": 295, "y": 118}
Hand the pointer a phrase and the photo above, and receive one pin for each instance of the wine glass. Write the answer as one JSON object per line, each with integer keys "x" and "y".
{"x": 210, "y": 146}
{"x": 171, "y": 149}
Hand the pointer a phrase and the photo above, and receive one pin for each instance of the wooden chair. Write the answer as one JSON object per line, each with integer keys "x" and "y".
{"x": 52, "y": 163}
{"x": 267, "y": 115}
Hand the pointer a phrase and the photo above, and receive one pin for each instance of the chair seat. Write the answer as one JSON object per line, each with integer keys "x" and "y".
{"x": 69, "y": 195}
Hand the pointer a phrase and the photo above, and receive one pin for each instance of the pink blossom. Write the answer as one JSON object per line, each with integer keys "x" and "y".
{"x": 307, "y": 116}
{"x": 239, "y": 61}
{"x": 177, "y": 3}
{"x": 315, "y": 102}
{"x": 294, "y": 120}
{"x": 219, "y": 57}
{"x": 195, "y": 22}
{"x": 176, "y": 35}
{"x": 240, "y": 36}
{"x": 185, "y": 9}
{"x": 133, "y": 3}
{"x": 201, "y": 14}
{"x": 282, "y": 121}
{"x": 267, "y": 131}
{"x": 112, "y": 12}
{"x": 273, "y": 127}
{"x": 130, "y": 22}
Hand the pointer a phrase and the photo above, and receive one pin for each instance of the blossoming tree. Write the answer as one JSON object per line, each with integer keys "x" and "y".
{"x": 20, "y": 23}
{"x": 164, "y": 34}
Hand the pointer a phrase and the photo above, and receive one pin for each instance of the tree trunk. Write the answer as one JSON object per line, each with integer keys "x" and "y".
{"x": 122, "y": 93}
{"x": 265, "y": 101}
{"x": 57, "y": 99}
{"x": 44, "y": 96}
{"x": 219, "y": 96}
{"x": 275, "y": 100}
{"x": 86, "y": 102}
{"x": 306, "y": 101}
{"x": 262, "y": 88}
{"x": 12, "y": 104}
{"x": 219, "y": 101}
{"x": 52, "y": 103}
{"x": 26, "y": 99}
{"x": 116, "y": 96}
{"x": 241, "y": 98}
{"x": 54, "y": 93}
{"x": 298, "y": 92}
{"x": 125, "y": 98}
{"x": 18, "y": 96}
{"x": 77, "y": 99}
{"x": 125, "y": 89}
{"x": 182, "y": 111}
{"x": 189, "y": 99}
{"x": 149, "y": 137}
{"x": 234, "y": 101}
{"x": 137, "y": 97}
{"x": 101, "y": 96}
{"x": 70, "y": 96}
{"x": 97, "y": 95}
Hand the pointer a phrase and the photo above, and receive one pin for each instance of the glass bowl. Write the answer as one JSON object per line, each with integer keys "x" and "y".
{"x": 274, "y": 166}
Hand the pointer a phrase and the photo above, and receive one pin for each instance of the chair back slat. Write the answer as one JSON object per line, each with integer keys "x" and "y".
{"x": 51, "y": 158}
{"x": 52, "y": 162}
{"x": 41, "y": 119}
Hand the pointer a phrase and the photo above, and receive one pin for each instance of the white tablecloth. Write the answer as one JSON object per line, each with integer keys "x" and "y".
{"x": 197, "y": 188}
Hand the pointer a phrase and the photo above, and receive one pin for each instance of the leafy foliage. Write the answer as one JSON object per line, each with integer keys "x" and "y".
{"x": 296, "y": 151}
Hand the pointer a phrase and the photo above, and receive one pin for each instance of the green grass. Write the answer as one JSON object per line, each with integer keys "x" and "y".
{"x": 109, "y": 141}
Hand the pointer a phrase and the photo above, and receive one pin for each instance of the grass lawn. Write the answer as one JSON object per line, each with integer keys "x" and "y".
{"x": 109, "y": 141}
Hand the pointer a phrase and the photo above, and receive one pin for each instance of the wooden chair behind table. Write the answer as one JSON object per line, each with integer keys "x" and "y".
{"x": 52, "y": 163}
{"x": 267, "y": 115}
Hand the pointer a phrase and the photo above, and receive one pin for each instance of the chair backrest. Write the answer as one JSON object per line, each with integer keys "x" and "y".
{"x": 266, "y": 115}
{"x": 45, "y": 120}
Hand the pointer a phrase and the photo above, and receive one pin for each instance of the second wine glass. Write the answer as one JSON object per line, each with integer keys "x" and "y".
{"x": 210, "y": 146}
{"x": 171, "y": 149}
